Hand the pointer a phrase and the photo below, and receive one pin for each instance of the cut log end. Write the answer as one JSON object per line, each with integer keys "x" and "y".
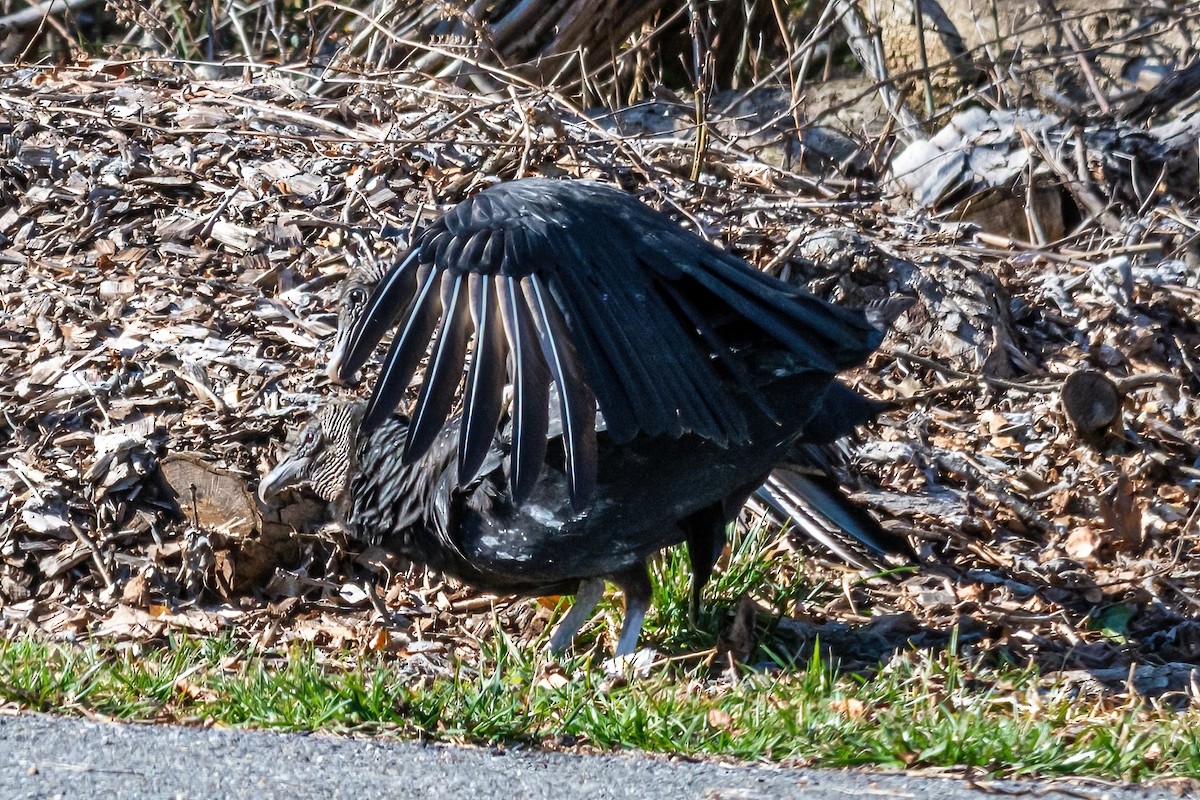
{"x": 1093, "y": 405}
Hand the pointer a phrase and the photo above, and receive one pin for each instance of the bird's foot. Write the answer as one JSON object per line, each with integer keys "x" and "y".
{"x": 589, "y": 594}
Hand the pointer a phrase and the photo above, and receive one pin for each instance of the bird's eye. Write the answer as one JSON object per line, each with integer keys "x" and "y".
{"x": 356, "y": 297}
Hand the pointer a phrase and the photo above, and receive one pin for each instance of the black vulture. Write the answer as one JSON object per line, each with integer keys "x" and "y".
{"x": 655, "y": 382}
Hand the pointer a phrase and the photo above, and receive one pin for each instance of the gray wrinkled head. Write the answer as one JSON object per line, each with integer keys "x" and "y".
{"x": 320, "y": 455}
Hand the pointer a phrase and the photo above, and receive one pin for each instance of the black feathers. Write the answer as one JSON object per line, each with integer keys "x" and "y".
{"x": 485, "y": 379}
{"x": 531, "y": 389}
{"x": 597, "y": 294}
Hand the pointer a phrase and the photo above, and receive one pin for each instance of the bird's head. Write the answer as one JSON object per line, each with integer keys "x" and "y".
{"x": 366, "y": 268}
{"x": 320, "y": 455}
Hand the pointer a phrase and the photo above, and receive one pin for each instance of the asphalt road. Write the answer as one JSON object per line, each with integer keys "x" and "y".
{"x": 53, "y": 757}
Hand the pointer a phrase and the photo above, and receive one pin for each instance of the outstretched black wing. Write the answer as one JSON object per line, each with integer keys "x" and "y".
{"x": 580, "y": 285}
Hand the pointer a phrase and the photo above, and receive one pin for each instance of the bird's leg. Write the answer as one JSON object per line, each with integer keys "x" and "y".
{"x": 635, "y": 582}
{"x": 705, "y": 531}
{"x": 589, "y": 594}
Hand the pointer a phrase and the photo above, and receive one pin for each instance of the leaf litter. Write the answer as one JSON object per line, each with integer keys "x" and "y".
{"x": 173, "y": 253}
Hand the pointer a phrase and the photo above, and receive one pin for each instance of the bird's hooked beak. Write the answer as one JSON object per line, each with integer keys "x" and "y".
{"x": 336, "y": 357}
{"x": 347, "y": 319}
{"x": 286, "y": 473}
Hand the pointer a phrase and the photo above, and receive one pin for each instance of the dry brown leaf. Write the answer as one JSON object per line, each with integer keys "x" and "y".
{"x": 380, "y": 640}
{"x": 136, "y": 592}
{"x": 1122, "y": 512}
{"x": 720, "y": 720}
{"x": 1084, "y": 543}
{"x": 850, "y": 707}
{"x": 552, "y": 681}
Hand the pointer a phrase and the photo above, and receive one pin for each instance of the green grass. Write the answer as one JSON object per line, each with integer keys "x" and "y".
{"x": 922, "y": 710}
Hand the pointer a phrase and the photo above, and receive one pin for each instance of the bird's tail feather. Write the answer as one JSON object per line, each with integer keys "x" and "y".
{"x": 820, "y": 511}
